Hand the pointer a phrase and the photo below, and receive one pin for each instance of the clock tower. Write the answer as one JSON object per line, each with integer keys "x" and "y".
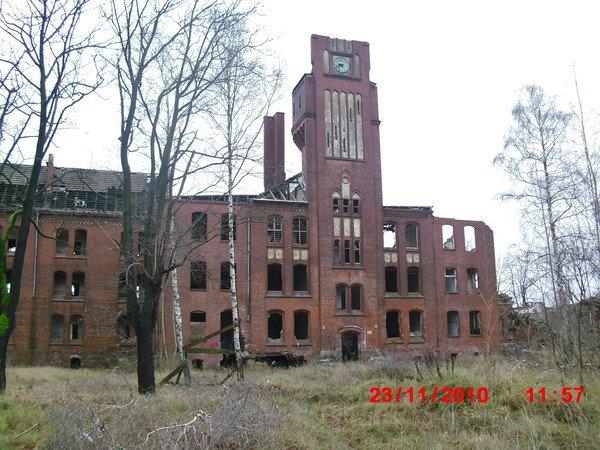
{"x": 336, "y": 127}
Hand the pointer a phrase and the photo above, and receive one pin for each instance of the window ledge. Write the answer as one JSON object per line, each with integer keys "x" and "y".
{"x": 392, "y": 295}
{"x": 274, "y": 294}
{"x": 413, "y": 249}
{"x": 300, "y": 294}
{"x": 416, "y": 340}
{"x": 198, "y": 289}
{"x": 303, "y": 343}
{"x": 56, "y": 342}
{"x": 452, "y": 293}
{"x": 275, "y": 343}
{"x": 453, "y": 337}
{"x": 76, "y": 342}
{"x": 393, "y": 340}
{"x": 280, "y": 245}
{"x": 69, "y": 300}
{"x": 477, "y": 335}
{"x": 63, "y": 256}
{"x": 349, "y": 313}
{"x": 302, "y": 246}
{"x": 476, "y": 291}
{"x": 350, "y": 267}
{"x": 415, "y": 295}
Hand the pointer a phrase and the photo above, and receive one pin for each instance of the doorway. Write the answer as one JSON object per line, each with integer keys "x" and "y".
{"x": 350, "y": 346}
{"x": 227, "y": 338}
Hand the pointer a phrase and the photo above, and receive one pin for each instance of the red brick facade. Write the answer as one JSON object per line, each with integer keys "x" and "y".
{"x": 394, "y": 299}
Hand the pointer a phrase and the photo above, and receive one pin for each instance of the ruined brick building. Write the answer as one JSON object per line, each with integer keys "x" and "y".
{"x": 323, "y": 267}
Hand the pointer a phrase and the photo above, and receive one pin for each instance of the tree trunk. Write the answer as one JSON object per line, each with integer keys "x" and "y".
{"x": 3, "y": 357}
{"x": 177, "y": 313}
{"x": 145, "y": 358}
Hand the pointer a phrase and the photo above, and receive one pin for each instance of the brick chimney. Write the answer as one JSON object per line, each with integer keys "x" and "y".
{"x": 50, "y": 169}
{"x": 274, "y": 150}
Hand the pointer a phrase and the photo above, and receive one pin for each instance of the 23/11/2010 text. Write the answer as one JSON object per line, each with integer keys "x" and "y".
{"x": 445, "y": 394}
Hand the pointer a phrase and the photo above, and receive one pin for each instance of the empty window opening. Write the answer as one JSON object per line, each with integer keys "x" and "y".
{"x": 275, "y": 326}
{"x": 198, "y": 275}
{"x": 225, "y": 227}
{"x": 197, "y": 364}
{"x": 78, "y": 284}
{"x": 356, "y": 205}
{"x": 413, "y": 280}
{"x": 336, "y": 252}
{"x": 473, "y": 280}
{"x": 8, "y": 280}
{"x": 76, "y": 328}
{"x": 274, "y": 230}
{"x": 300, "y": 231}
{"x": 355, "y": 297}
{"x": 412, "y": 236}
{"x": 62, "y": 241}
{"x": 123, "y": 328}
{"x": 59, "y": 288}
{"x": 225, "y": 276}
{"x": 391, "y": 280}
{"x": 475, "y": 323}
{"x": 300, "y": 278}
{"x": 75, "y": 362}
{"x": 199, "y": 225}
{"x": 453, "y": 324}
{"x": 57, "y": 322}
{"x": 392, "y": 324}
{"x": 357, "y": 257}
{"x": 340, "y": 296}
{"x": 389, "y": 235}
{"x": 448, "y": 237}
{"x": 415, "y": 319}
{"x": 470, "y": 244}
{"x": 274, "y": 278}
{"x": 11, "y": 244}
{"x": 336, "y": 203}
{"x": 451, "y": 285}
{"x": 346, "y": 251}
{"x": 79, "y": 247}
{"x": 197, "y": 324}
{"x": 301, "y": 325}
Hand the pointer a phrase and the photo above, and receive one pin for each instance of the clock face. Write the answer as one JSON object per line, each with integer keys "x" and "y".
{"x": 342, "y": 65}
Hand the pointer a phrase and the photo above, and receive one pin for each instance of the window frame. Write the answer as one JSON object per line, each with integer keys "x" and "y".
{"x": 275, "y": 231}
{"x": 446, "y": 278}
{"x": 298, "y": 232}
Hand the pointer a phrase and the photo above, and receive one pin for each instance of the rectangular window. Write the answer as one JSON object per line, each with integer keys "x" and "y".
{"x": 357, "y": 256}
{"x": 356, "y": 206}
{"x": 336, "y": 205}
{"x": 391, "y": 280}
{"x": 475, "y": 323}
{"x": 346, "y": 251}
{"x": 274, "y": 230}
{"x": 199, "y": 225}
{"x": 336, "y": 252}
{"x": 473, "y": 280}
{"x": 448, "y": 237}
{"x": 413, "y": 280}
{"x": 225, "y": 276}
{"x": 346, "y": 205}
{"x": 225, "y": 227}
{"x": 451, "y": 286}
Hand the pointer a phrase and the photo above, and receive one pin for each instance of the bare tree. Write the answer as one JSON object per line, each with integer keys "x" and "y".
{"x": 169, "y": 55}
{"x": 535, "y": 159}
{"x": 49, "y": 53}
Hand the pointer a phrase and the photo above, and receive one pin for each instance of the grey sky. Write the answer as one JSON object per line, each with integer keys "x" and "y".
{"x": 448, "y": 74}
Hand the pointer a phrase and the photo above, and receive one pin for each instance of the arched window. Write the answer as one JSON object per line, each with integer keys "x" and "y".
{"x": 356, "y": 204}
{"x": 413, "y": 279}
{"x": 391, "y": 280}
{"x": 453, "y": 324}
{"x": 225, "y": 276}
{"x": 299, "y": 226}
{"x": 470, "y": 244}
{"x": 80, "y": 245}
{"x": 301, "y": 325}
{"x": 62, "y": 241}
{"x": 197, "y": 324}
{"x": 76, "y": 328}
{"x": 340, "y": 296}
{"x": 415, "y": 323}
{"x": 356, "y": 297}
{"x": 59, "y": 287}
{"x": 335, "y": 197}
{"x": 412, "y": 236}
{"x": 78, "y": 284}
{"x": 389, "y": 235}
{"x": 475, "y": 323}
{"x": 274, "y": 278}
{"x": 325, "y": 61}
{"x": 275, "y": 326}
{"x": 274, "y": 230}
{"x": 300, "y": 278}
{"x": 392, "y": 325}
{"x": 448, "y": 237}
{"x": 57, "y": 322}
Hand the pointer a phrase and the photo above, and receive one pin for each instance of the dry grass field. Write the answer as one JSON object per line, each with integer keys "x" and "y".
{"x": 313, "y": 406}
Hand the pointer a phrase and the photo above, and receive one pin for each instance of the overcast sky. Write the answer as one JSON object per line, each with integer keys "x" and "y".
{"x": 448, "y": 74}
